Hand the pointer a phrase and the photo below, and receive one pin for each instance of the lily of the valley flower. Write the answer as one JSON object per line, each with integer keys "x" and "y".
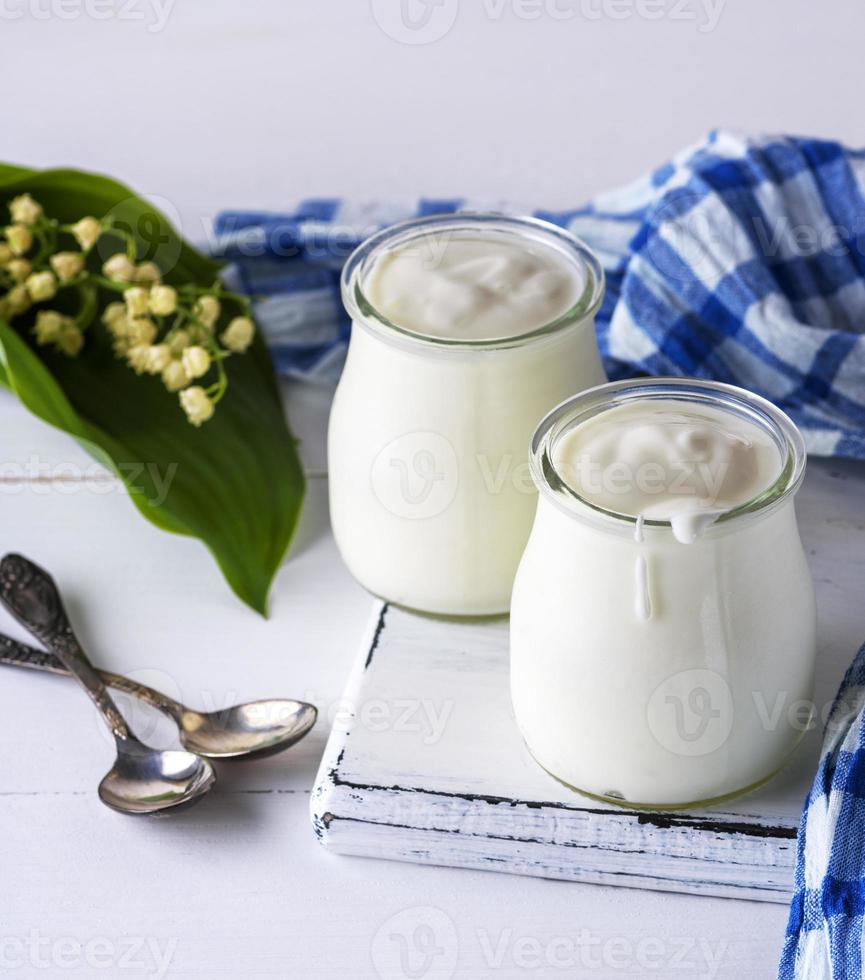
{"x": 237, "y": 336}
{"x": 136, "y": 299}
{"x": 24, "y": 210}
{"x": 197, "y": 404}
{"x": 49, "y": 325}
{"x": 54, "y": 328}
{"x": 179, "y": 341}
{"x": 67, "y": 265}
{"x": 119, "y": 268}
{"x": 158, "y": 358}
{"x": 113, "y": 315}
{"x": 87, "y": 232}
{"x": 41, "y": 286}
{"x": 162, "y": 300}
{"x": 158, "y": 329}
{"x": 141, "y": 331}
{"x": 196, "y": 361}
{"x": 19, "y": 269}
{"x": 20, "y": 238}
{"x": 174, "y": 377}
{"x": 147, "y": 272}
{"x": 18, "y": 300}
{"x": 70, "y": 341}
{"x": 207, "y": 310}
{"x": 138, "y": 357}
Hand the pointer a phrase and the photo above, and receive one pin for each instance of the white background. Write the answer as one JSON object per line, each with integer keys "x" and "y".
{"x": 257, "y": 104}
{"x": 262, "y": 102}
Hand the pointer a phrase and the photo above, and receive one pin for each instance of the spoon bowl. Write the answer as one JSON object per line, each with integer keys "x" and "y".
{"x": 145, "y": 781}
{"x": 254, "y": 729}
{"x": 259, "y": 728}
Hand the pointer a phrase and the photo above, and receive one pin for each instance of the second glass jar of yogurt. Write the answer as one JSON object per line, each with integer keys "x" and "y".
{"x": 663, "y": 616}
{"x": 466, "y": 329}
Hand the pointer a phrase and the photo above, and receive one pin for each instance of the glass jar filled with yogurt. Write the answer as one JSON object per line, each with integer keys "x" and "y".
{"x": 663, "y": 615}
{"x": 467, "y": 329}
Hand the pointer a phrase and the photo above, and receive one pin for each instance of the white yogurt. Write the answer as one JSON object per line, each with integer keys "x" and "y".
{"x": 668, "y": 460}
{"x": 472, "y": 287}
{"x": 466, "y": 330}
{"x": 661, "y": 647}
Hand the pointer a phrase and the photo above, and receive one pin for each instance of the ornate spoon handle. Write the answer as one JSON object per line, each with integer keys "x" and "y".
{"x": 16, "y": 654}
{"x": 21, "y": 655}
{"x": 29, "y": 593}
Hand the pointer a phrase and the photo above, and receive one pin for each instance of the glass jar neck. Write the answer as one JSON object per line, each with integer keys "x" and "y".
{"x": 715, "y": 395}
{"x": 443, "y": 227}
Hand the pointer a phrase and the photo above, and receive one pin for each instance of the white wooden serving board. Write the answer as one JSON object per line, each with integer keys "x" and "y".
{"x": 425, "y": 763}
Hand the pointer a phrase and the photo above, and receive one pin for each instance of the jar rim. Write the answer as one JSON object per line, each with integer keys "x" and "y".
{"x": 577, "y": 409}
{"x": 359, "y": 262}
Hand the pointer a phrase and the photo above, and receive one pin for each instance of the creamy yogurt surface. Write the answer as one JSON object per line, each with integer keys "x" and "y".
{"x": 472, "y": 287}
{"x": 668, "y": 460}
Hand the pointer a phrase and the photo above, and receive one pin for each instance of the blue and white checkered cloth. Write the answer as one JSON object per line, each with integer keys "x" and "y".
{"x": 742, "y": 260}
{"x": 824, "y": 934}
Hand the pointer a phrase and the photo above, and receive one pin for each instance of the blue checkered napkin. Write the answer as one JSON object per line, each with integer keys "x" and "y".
{"x": 742, "y": 260}
{"x": 824, "y": 934}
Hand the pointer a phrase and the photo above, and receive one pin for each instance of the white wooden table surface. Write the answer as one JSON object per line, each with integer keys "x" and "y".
{"x": 238, "y": 887}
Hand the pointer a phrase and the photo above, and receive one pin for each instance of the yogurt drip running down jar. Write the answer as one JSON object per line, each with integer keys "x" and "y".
{"x": 467, "y": 329}
{"x": 663, "y": 616}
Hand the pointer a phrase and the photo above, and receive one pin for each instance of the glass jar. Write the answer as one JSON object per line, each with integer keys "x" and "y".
{"x": 431, "y": 499}
{"x": 708, "y": 695}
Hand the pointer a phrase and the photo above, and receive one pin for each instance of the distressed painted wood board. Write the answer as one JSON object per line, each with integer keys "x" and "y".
{"x": 425, "y": 763}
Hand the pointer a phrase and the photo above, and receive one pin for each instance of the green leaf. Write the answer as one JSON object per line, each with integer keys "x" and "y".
{"x": 235, "y": 483}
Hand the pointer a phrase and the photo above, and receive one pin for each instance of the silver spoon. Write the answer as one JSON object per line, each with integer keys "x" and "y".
{"x": 143, "y": 780}
{"x": 242, "y": 731}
